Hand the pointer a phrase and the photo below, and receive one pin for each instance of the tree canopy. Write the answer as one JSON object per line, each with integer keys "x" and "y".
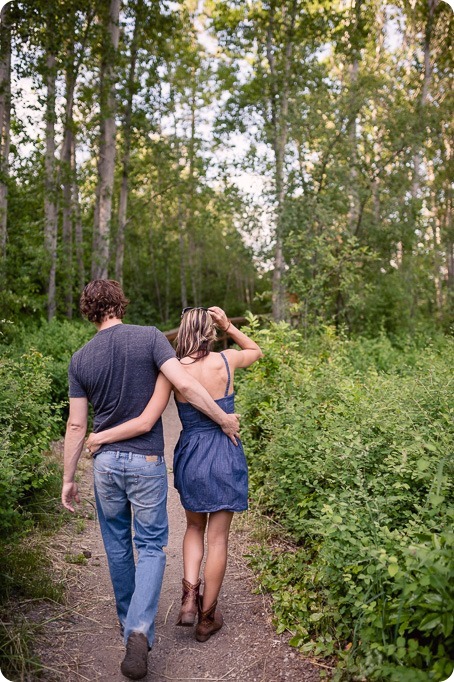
{"x": 134, "y": 133}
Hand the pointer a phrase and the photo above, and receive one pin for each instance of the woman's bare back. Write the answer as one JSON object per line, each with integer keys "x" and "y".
{"x": 211, "y": 372}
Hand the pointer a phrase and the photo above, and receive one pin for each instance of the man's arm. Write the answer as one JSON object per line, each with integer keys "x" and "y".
{"x": 141, "y": 424}
{"x": 76, "y": 428}
{"x": 198, "y": 396}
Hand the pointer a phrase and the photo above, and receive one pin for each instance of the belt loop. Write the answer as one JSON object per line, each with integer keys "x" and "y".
{"x": 117, "y": 455}
{"x": 130, "y": 456}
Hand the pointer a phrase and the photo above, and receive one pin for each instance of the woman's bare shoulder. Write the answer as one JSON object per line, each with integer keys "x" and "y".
{"x": 215, "y": 359}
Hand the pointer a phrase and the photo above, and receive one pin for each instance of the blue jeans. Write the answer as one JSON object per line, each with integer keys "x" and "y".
{"x": 129, "y": 486}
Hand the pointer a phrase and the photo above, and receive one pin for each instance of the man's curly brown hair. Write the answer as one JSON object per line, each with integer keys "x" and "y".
{"x": 101, "y": 299}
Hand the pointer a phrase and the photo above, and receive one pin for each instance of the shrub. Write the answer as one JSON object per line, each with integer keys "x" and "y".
{"x": 28, "y": 423}
{"x": 57, "y": 341}
{"x": 348, "y": 445}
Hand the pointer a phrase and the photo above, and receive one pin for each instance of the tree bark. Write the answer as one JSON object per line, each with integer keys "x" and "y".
{"x": 194, "y": 265}
{"x": 353, "y": 214}
{"x": 67, "y": 178}
{"x": 106, "y": 162}
{"x": 427, "y": 78}
{"x": 127, "y": 134}
{"x": 50, "y": 198}
{"x": 182, "y": 250}
{"x": 279, "y": 113}
{"x": 5, "y": 117}
{"x": 78, "y": 228}
{"x": 66, "y": 168}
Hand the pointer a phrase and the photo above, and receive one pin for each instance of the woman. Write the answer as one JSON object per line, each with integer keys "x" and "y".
{"x": 210, "y": 471}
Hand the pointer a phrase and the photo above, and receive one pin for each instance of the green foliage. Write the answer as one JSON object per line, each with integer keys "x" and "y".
{"x": 28, "y": 423}
{"x": 33, "y": 399}
{"x": 57, "y": 341}
{"x": 349, "y": 446}
{"x": 78, "y": 559}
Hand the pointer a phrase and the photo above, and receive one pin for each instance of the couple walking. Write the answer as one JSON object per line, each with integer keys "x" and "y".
{"x": 127, "y": 372}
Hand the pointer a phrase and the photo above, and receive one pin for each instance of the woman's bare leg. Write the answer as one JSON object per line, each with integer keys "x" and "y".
{"x": 217, "y": 542}
{"x": 193, "y": 545}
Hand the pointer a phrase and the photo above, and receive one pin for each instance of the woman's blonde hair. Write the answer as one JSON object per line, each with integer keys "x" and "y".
{"x": 196, "y": 334}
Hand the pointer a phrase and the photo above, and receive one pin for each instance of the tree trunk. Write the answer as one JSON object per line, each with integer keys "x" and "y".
{"x": 78, "y": 229}
{"x": 5, "y": 116}
{"x": 153, "y": 262}
{"x": 181, "y": 245}
{"x": 67, "y": 176}
{"x": 50, "y": 198}
{"x": 127, "y": 133}
{"x": 354, "y": 210}
{"x": 66, "y": 168}
{"x": 194, "y": 264}
{"x": 106, "y": 162}
{"x": 417, "y": 157}
{"x": 279, "y": 109}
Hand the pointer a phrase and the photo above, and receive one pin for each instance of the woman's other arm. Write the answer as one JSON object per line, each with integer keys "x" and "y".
{"x": 139, "y": 425}
{"x": 250, "y": 351}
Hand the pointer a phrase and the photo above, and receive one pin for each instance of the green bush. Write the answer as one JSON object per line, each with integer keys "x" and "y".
{"x": 57, "y": 341}
{"x": 349, "y": 447}
{"x": 33, "y": 396}
{"x": 33, "y": 403}
{"x": 28, "y": 423}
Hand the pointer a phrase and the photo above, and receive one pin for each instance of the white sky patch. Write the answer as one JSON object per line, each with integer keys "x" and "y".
{"x": 250, "y": 183}
{"x": 394, "y": 28}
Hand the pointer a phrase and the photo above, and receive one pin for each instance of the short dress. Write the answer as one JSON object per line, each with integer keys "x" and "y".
{"x": 210, "y": 472}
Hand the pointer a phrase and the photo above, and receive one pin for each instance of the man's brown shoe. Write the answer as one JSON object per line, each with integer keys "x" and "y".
{"x": 210, "y": 621}
{"x": 189, "y": 604}
{"x": 135, "y": 662}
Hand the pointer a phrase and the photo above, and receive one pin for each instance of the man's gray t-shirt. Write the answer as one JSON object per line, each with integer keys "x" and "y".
{"x": 117, "y": 371}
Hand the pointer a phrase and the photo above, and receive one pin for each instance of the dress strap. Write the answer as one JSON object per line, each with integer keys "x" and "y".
{"x": 227, "y": 388}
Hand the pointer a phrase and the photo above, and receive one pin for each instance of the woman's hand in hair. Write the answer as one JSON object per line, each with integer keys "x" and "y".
{"x": 220, "y": 319}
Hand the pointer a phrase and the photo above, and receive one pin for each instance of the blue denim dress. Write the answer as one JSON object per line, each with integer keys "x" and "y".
{"x": 210, "y": 472}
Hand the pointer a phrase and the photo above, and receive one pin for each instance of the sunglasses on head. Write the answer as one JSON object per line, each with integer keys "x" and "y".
{"x": 198, "y": 307}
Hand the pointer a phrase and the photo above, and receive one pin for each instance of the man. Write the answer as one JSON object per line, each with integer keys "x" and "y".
{"x": 116, "y": 372}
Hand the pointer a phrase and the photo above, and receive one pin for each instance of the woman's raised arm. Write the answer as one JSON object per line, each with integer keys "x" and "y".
{"x": 139, "y": 425}
{"x": 250, "y": 351}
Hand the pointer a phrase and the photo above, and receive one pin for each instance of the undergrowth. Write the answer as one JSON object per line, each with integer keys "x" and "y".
{"x": 26, "y": 577}
{"x": 350, "y": 451}
{"x": 33, "y": 387}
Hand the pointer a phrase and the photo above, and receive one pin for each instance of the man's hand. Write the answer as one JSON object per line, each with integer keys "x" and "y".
{"x": 93, "y": 442}
{"x": 231, "y": 427}
{"x": 69, "y": 493}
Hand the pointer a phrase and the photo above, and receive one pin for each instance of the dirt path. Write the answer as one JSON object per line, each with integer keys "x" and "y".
{"x": 81, "y": 641}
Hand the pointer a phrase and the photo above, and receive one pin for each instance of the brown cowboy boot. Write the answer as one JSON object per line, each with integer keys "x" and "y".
{"x": 189, "y": 602}
{"x": 210, "y": 621}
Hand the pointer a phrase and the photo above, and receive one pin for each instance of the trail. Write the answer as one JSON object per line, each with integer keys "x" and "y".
{"x": 81, "y": 640}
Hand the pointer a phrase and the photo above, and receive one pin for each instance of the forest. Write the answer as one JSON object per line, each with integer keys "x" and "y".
{"x": 290, "y": 161}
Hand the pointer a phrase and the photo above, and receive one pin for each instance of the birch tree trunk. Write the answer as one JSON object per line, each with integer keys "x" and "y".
{"x": 5, "y": 116}
{"x": 66, "y": 168}
{"x": 78, "y": 229}
{"x": 279, "y": 113}
{"x": 353, "y": 213}
{"x": 448, "y": 233}
{"x": 67, "y": 175}
{"x": 182, "y": 253}
{"x": 127, "y": 133}
{"x": 194, "y": 265}
{"x": 427, "y": 78}
{"x": 106, "y": 162}
{"x": 50, "y": 198}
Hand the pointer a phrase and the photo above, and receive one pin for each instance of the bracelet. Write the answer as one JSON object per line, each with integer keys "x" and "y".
{"x": 227, "y": 328}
